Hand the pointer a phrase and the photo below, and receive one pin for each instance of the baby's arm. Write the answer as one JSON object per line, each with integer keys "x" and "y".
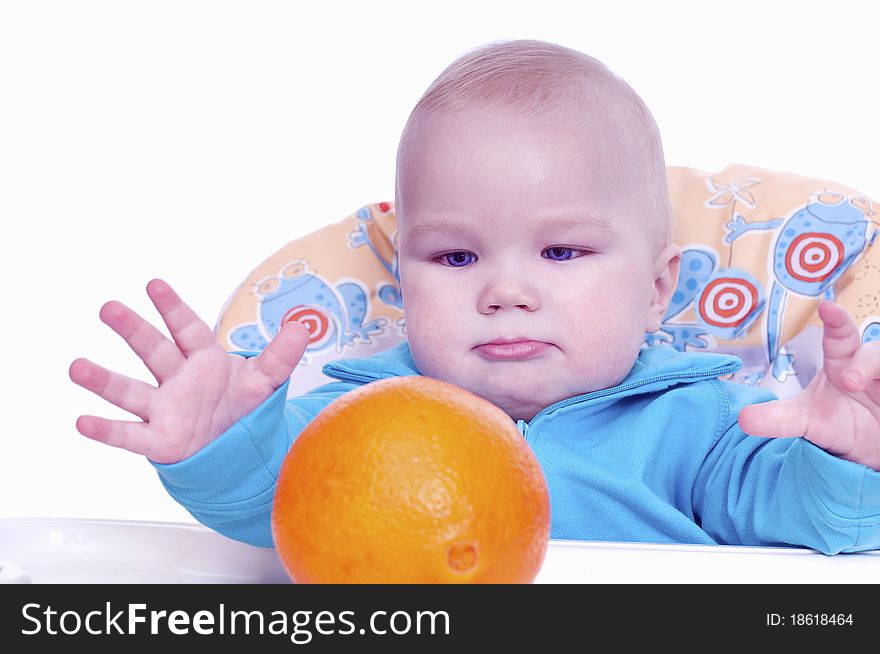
{"x": 202, "y": 390}
{"x": 767, "y": 491}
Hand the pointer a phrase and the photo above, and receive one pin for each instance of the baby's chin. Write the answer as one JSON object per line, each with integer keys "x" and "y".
{"x": 520, "y": 411}
{"x": 524, "y": 395}
{"x": 521, "y": 389}
{"x": 520, "y": 399}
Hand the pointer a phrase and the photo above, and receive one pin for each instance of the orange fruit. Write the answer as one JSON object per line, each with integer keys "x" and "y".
{"x": 411, "y": 480}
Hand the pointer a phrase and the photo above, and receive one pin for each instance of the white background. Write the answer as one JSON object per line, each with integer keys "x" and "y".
{"x": 189, "y": 140}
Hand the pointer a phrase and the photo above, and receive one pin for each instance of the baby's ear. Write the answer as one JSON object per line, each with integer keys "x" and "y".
{"x": 666, "y": 266}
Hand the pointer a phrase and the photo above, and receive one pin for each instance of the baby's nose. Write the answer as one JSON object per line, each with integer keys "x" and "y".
{"x": 508, "y": 294}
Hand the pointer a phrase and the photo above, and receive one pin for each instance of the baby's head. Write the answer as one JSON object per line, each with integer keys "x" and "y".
{"x": 534, "y": 226}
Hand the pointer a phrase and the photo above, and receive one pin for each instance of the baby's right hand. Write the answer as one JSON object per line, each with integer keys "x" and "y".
{"x": 203, "y": 390}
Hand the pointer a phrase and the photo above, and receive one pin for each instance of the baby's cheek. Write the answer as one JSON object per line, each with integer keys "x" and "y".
{"x": 603, "y": 335}
{"x": 430, "y": 316}
{"x": 436, "y": 334}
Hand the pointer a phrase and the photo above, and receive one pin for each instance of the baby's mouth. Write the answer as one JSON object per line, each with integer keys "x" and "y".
{"x": 512, "y": 349}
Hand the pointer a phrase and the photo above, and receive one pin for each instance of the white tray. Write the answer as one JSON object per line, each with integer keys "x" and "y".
{"x": 63, "y": 550}
{"x": 47, "y": 550}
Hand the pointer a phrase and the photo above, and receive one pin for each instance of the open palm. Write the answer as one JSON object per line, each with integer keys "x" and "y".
{"x": 202, "y": 390}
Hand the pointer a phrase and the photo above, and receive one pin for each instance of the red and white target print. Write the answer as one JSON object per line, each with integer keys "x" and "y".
{"x": 728, "y": 301}
{"x": 813, "y": 256}
{"x": 314, "y": 320}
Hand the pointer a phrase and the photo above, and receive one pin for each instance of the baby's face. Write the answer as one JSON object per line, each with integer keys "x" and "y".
{"x": 525, "y": 278}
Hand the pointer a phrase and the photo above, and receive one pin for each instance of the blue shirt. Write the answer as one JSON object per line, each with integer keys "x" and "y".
{"x": 657, "y": 458}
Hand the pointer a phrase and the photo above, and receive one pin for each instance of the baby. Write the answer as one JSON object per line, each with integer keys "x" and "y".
{"x": 535, "y": 253}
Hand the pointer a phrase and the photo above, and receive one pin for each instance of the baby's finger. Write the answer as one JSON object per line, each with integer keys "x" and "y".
{"x": 160, "y": 355}
{"x": 131, "y": 436}
{"x": 863, "y": 370}
{"x": 188, "y": 330}
{"x": 129, "y": 394}
{"x": 840, "y": 336}
{"x": 283, "y": 353}
{"x": 775, "y": 419}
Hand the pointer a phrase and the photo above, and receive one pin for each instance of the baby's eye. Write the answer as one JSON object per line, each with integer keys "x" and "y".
{"x": 559, "y": 253}
{"x": 458, "y": 259}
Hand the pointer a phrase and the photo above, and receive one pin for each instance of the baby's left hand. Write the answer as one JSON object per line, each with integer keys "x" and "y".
{"x": 840, "y": 408}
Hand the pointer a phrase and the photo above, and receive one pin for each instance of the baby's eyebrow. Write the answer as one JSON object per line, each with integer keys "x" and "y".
{"x": 432, "y": 227}
{"x": 578, "y": 221}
